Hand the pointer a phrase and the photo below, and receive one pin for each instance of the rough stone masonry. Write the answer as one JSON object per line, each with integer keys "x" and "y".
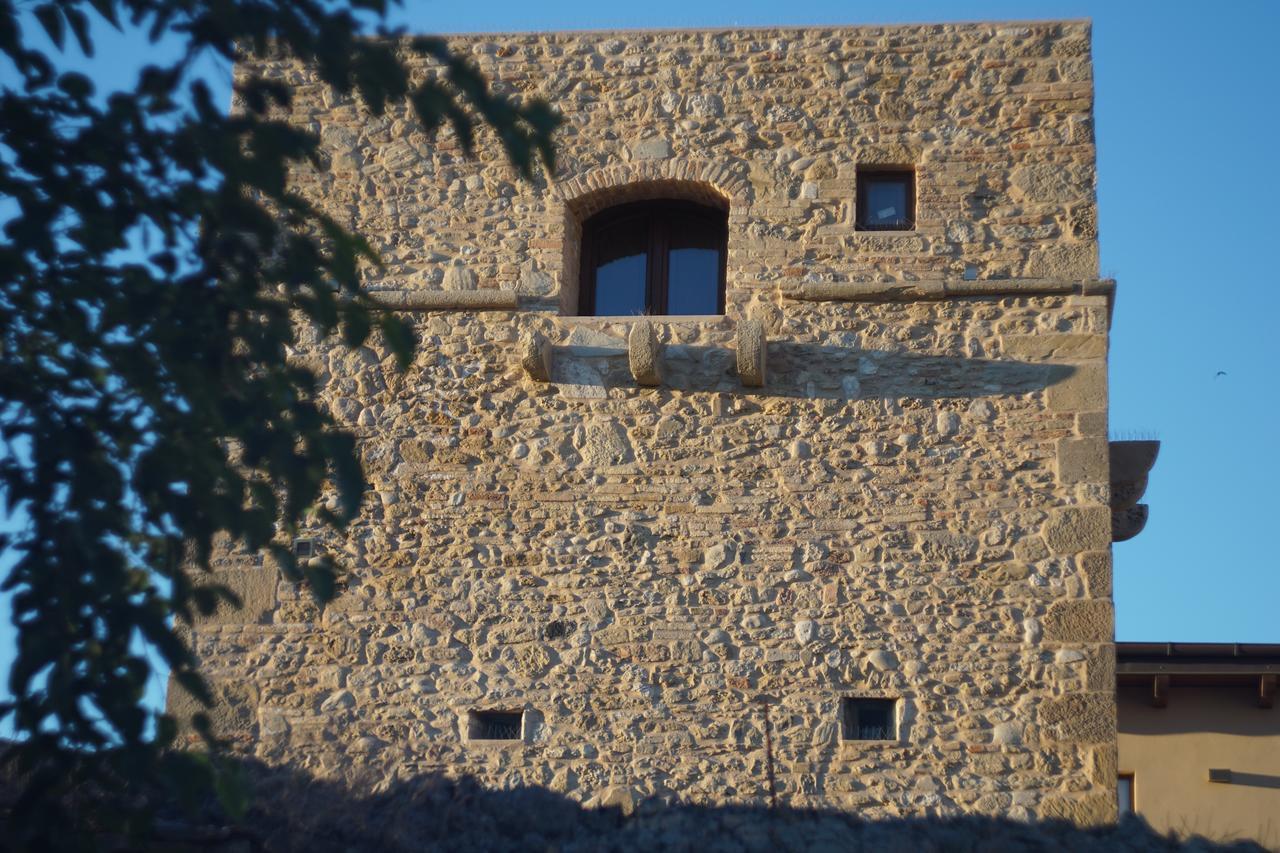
{"x": 881, "y": 474}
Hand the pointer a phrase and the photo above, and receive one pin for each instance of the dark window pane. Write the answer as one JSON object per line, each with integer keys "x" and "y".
{"x": 654, "y": 257}
{"x": 495, "y": 725}
{"x": 1124, "y": 795}
{"x": 620, "y": 286}
{"x": 886, "y": 200}
{"x": 886, "y": 203}
{"x": 693, "y": 281}
{"x": 873, "y": 724}
{"x": 870, "y": 719}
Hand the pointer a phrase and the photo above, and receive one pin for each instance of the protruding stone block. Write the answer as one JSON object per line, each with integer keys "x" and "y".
{"x": 1128, "y": 523}
{"x": 1079, "y": 528}
{"x": 459, "y": 278}
{"x": 535, "y": 355}
{"x": 645, "y": 354}
{"x": 753, "y": 350}
{"x": 1127, "y": 493}
{"x": 1132, "y": 460}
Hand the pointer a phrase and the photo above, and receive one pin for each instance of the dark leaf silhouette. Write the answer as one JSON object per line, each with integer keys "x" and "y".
{"x": 154, "y": 270}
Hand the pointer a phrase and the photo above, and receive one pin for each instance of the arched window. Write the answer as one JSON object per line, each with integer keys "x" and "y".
{"x": 654, "y": 257}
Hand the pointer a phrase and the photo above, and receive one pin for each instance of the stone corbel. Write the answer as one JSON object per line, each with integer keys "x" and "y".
{"x": 644, "y": 353}
{"x": 535, "y": 355}
{"x": 1131, "y": 462}
{"x": 1129, "y": 522}
{"x": 753, "y": 349}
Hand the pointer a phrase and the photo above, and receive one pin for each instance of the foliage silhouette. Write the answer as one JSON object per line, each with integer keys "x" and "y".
{"x": 155, "y": 270}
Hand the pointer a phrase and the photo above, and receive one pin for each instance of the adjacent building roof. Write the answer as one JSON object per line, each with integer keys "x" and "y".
{"x": 1163, "y": 665}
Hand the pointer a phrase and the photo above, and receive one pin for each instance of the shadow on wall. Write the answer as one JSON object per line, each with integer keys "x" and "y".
{"x": 812, "y": 371}
{"x": 1200, "y": 710}
{"x": 290, "y": 810}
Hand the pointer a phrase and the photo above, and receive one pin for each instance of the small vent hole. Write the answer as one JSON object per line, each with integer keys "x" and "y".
{"x": 495, "y": 725}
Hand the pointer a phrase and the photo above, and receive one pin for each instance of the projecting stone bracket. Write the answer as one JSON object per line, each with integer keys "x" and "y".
{"x": 1128, "y": 523}
{"x": 644, "y": 353}
{"x": 1131, "y": 462}
{"x": 753, "y": 349}
{"x": 535, "y": 355}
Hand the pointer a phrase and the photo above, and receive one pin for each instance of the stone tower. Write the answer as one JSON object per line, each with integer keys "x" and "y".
{"x": 837, "y": 475}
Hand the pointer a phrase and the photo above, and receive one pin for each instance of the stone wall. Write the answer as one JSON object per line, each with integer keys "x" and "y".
{"x": 678, "y": 584}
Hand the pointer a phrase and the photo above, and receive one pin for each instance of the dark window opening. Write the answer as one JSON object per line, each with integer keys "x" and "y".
{"x": 886, "y": 200}
{"x": 494, "y": 725}
{"x": 870, "y": 719}
{"x": 654, "y": 257}
{"x": 1124, "y": 794}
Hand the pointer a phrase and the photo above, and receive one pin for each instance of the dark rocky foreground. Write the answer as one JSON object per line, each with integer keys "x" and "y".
{"x": 292, "y": 811}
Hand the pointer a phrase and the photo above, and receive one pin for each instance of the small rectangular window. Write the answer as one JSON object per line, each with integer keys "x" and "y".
{"x": 869, "y": 719}
{"x": 494, "y": 725}
{"x": 886, "y": 200}
{"x": 1124, "y": 794}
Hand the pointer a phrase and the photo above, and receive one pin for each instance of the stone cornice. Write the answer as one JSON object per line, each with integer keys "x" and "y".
{"x": 448, "y": 300}
{"x": 925, "y": 291}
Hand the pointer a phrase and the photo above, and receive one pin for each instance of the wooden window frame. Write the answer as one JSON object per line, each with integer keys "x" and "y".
{"x": 656, "y": 217}
{"x": 871, "y": 175}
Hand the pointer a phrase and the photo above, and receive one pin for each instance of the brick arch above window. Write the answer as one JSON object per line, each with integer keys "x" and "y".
{"x": 704, "y": 182}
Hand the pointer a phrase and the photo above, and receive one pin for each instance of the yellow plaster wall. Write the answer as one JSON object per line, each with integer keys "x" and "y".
{"x": 1170, "y": 750}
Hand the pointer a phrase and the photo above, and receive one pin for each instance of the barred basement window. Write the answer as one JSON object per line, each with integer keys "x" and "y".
{"x": 654, "y": 257}
{"x": 494, "y": 725}
{"x": 869, "y": 719}
{"x": 886, "y": 200}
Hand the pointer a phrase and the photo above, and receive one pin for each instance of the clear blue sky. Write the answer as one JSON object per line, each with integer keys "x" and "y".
{"x": 1188, "y": 114}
